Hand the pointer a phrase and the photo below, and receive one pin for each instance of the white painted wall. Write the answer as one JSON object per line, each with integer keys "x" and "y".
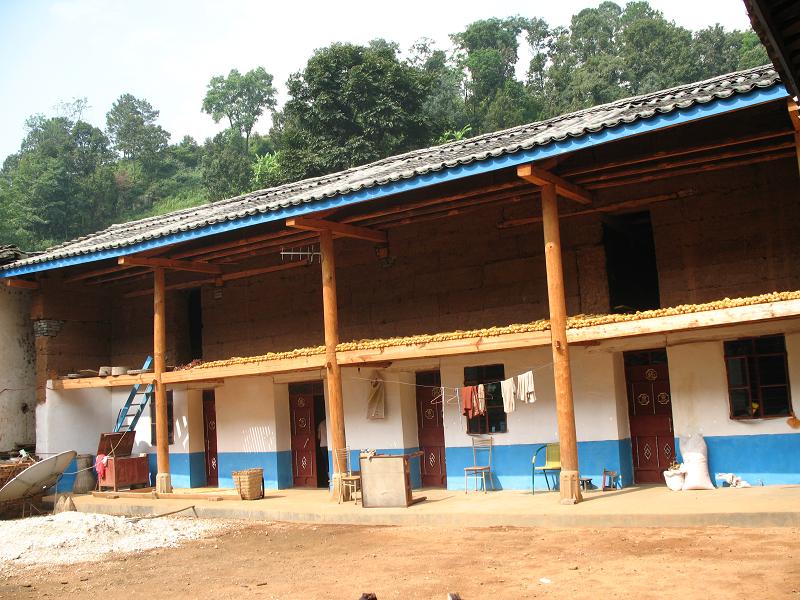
{"x": 594, "y": 381}
{"x": 246, "y": 417}
{"x": 17, "y": 370}
{"x": 363, "y": 433}
{"x": 700, "y": 392}
{"x": 73, "y": 420}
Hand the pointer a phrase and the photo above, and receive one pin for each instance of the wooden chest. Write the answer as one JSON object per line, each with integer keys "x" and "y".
{"x": 122, "y": 470}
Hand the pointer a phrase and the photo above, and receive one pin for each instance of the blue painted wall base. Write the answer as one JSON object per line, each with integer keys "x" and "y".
{"x": 767, "y": 459}
{"x": 511, "y": 465}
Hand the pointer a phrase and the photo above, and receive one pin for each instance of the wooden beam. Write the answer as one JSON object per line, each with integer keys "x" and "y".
{"x": 25, "y": 284}
{"x": 794, "y": 116}
{"x": 163, "y": 478}
{"x": 662, "y": 154}
{"x": 715, "y": 323}
{"x": 330, "y": 314}
{"x": 540, "y": 177}
{"x": 186, "y": 285}
{"x": 338, "y": 229}
{"x": 565, "y": 409}
{"x": 169, "y": 263}
{"x": 608, "y": 208}
{"x": 694, "y": 160}
{"x": 692, "y": 170}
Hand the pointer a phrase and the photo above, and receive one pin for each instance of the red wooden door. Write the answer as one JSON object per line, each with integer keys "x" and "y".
{"x": 431, "y": 429}
{"x": 304, "y": 435}
{"x": 210, "y": 438}
{"x": 650, "y": 412}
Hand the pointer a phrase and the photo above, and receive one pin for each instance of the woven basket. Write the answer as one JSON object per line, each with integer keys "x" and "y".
{"x": 9, "y": 470}
{"x": 249, "y": 483}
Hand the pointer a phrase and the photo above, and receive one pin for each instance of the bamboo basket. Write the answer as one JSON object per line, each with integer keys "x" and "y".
{"x": 9, "y": 470}
{"x": 249, "y": 483}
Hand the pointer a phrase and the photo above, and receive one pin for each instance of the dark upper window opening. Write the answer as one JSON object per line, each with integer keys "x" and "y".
{"x": 631, "y": 262}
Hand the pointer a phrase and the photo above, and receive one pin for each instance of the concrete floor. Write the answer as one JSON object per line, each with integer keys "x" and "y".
{"x": 647, "y": 506}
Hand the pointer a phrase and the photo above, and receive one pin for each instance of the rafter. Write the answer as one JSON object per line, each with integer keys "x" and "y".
{"x": 168, "y": 263}
{"x": 25, "y": 284}
{"x": 338, "y": 229}
{"x": 185, "y": 285}
{"x": 539, "y": 176}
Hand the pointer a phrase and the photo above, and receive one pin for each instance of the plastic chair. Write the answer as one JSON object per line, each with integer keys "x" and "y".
{"x": 479, "y": 469}
{"x": 552, "y": 463}
{"x": 347, "y": 480}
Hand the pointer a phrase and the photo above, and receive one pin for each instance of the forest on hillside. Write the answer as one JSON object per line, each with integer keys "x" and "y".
{"x": 349, "y": 105}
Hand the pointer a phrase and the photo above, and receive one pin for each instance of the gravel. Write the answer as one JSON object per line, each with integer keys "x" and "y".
{"x": 71, "y": 537}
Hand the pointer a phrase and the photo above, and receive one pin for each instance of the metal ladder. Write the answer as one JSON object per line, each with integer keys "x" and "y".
{"x": 125, "y": 413}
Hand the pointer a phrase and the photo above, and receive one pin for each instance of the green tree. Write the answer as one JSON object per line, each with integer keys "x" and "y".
{"x": 351, "y": 105}
{"x": 240, "y": 98}
{"x": 227, "y": 170}
{"x": 131, "y": 125}
{"x": 60, "y": 185}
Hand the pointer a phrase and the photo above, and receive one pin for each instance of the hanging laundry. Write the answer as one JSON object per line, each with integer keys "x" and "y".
{"x": 376, "y": 403}
{"x": 468, "y": 398}
{"x": 508, "y": 389}
{"x": 525, "y": 388}
{"x": 481, "y": 400}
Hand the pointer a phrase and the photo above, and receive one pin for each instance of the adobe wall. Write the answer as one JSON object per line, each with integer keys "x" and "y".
{"x": 448, "y": 274}
{"x": 17, "y": 369}
{"x": 739, "y": 239}
{"x": 72, "y": 329}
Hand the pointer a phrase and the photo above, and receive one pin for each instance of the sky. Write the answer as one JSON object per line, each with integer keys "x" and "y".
{"x": 166, "y": 51}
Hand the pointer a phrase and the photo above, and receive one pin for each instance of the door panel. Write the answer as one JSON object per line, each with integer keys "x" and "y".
{"x": 304, "y": 435}
{"x": 210, "y": 438}
{"x": 430, "y": 428}
{"x": 650, "y": 414}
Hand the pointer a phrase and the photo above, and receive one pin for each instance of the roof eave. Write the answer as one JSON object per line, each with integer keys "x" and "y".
{"x": 653, "y": 123}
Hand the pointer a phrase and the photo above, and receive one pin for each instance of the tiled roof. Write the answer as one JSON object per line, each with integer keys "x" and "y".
{"x": 413, "y": 164}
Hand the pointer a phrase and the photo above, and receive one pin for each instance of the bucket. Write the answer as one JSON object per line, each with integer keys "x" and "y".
{"x": 84, "y": 479}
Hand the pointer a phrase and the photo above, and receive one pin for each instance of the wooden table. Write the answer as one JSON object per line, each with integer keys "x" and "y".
{"x": 386, "y": 480}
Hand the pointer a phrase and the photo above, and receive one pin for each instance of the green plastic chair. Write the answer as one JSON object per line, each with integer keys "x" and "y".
{"x": 552, "y": 463}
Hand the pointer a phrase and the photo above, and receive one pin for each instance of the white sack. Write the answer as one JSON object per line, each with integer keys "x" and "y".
{"x": 695, "y": 462}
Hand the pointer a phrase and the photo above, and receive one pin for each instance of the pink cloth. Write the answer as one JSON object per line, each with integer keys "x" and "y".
{"x": 100, "y": 465}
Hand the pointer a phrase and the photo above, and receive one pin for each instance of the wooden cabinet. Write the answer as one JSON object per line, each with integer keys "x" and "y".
{"x": 121, "y": 470}
{"x": 386, "y": 480}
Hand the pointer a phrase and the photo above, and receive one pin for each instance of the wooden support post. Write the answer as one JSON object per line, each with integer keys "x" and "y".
{"x": 794, "y": 116}
{"x": 565, "y": 410}
{"x": 334, "y": 376}
{"x": 163, "y": 479}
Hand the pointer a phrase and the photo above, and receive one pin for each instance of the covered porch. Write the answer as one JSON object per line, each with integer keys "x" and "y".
{"x": 648, "y": 506}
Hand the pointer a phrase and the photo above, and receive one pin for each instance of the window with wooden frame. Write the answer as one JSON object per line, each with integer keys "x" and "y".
{"x": 494, "y": 420}
{"x": 758, "y": 378}
{"x": 170, "y": 419}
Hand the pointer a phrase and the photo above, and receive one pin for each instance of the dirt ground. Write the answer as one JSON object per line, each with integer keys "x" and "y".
{"x": 281, "y": 560}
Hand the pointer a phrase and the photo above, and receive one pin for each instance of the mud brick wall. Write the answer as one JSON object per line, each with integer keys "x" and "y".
{"x": 72, "y": 329}
{"x": 132, "y": 330}
{"x": 443, "y": 275}
{"x": 739, "y": 238}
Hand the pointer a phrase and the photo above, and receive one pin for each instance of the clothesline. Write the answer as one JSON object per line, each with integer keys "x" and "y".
{"x": 436, "y": 387}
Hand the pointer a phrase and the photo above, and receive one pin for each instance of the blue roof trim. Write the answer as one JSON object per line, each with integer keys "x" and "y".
{"x": 661, "y": 121}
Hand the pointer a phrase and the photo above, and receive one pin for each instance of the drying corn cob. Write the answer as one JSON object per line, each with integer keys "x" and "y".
{"x": 574, "y": 322}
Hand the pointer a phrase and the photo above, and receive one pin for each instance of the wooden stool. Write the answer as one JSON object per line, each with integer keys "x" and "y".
{"x": 585, "y": 483}
{"x": 609, "y": 480}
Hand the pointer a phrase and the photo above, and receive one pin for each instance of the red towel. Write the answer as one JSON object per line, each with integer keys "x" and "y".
{"x": 100, "y": 466}
{"x": 468, "y": 395}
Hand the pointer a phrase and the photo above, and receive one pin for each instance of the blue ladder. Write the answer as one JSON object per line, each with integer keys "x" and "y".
{"x": 125, "y": 413}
